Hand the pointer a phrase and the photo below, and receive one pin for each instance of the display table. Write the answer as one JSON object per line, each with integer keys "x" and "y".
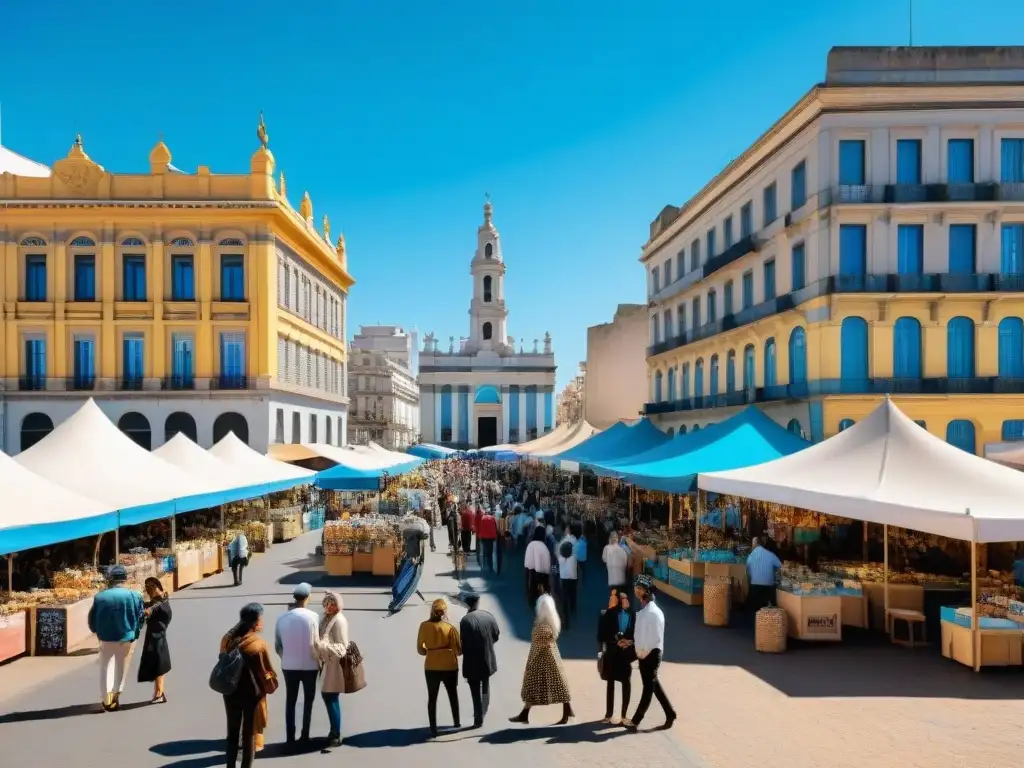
{"x": 1002, "y": 640}
{"x": 736, "y": 573}
{"x": 210, "y": 560}
{"x": 383, "y": 563}
{"x": 906, "y": 596}
{"x": 338, "y": 565}
{"x": 189, "y": 568}
{"x": 55, "y": 630}
{"x": 362, "y": 560}
{"x": 13, "y": 636}
{"x": 812, "y": 617}
{"x": 288, "y": 527}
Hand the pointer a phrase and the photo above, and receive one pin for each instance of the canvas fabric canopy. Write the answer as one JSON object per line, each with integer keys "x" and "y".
{"x": 556, "y": 435}
{"x": 361, "y": 470}
{"x": 276, "y": 475}
{"x": 886, "y": 469}
{"x": 745, "y": 439}
{"x": 35, "y": 512}
{"x": 1008, "y": 454}
{"x": 431, "y": 451}
{"x": 574, "y": 436}
{"x": 616, "y": 442}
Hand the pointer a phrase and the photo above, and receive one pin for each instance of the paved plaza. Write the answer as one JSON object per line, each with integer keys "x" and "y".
{"x": 849, "y": 706}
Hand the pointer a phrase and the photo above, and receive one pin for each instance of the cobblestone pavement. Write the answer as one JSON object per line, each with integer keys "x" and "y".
{"x": 834, "y": 706}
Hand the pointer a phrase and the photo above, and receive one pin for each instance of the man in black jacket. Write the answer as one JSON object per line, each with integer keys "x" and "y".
{"x": 479, "y": 632}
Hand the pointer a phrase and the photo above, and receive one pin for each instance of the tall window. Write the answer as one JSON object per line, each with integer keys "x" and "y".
{"x": 182, "y": 371}
{"x": 35, "y": 362}
{"x": 655, "y": 328}
{"x": 1011, "y": 166}
{"x": 694, "y": 255}
{"x": 853, "y": 250}
{"x": 232, "y": 278}
{"x": 183, "y": 284}
{"x": 726, "y": 234}
{"x": 798, "y": 259}
{"x": 910, "y": 249}
{"x": 685, "y": 386}
{"x": 681, "y": 264}
{"x": 798, "y": 356}
{"x": 667, "y": 271}
{"x": 960, "y": 161}
{"x": 770, "y": 204}
{"x": 853, "y": 354}
{"x": 960, "y": 348}
{"x": 487, "y": 288}
{"x": 681, "y": 318}
{"x": 730, "y": 371}
{"x": 85, "y": 278}
{"x": 727, "y": 304}
{"x": 1011, "y": 260}
{"x": 487, "y": 331}
{"x": 657, "y": 387}
{"x": 232, "y": 360}
{"x": 313, "y": 437}
{"x": 712, "y": 307}
{"x": 671, "y": 394}
{"x": 134, "y": 278}
{"x": 698, "y": 379}
{"x": 960, "y": 433}
{"x": 1011, "y": 348}
{"x": 908, "y": 161}
{"x": 769, "y": 363}
{"x": 666, "y": 319}
{"x": 84, "y": 362}
{"x": 851, "y": 162}
{"x": 279, "y": 426}
{"x": 713, "y": 376}
{"x": 747, "y": 219}
{"x": 906, "y": 348}
{"x": 698, "y": 320}
{"x": 655, "y": 279}
{"x": 748, "y": 290}
{"x": 962, "y": 254}
{"x": 769, "y": 280}
{"x": 132, "y": 361}
{"x": 749, "y": 372}
{"x": 35, "y": 278}
{"x": 711, "y": 244}
{"x": 798, "y": 186}
{"x": 296, "y": 427}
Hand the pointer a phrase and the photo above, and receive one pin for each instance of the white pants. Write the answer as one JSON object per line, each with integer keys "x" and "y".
{"x": 115, "y": 659}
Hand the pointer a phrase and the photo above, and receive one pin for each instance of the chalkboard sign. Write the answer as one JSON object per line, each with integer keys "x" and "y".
{"x": 51, "y": 632}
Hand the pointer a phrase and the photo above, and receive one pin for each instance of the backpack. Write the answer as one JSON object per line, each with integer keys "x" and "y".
{"x": 227, "y": 672}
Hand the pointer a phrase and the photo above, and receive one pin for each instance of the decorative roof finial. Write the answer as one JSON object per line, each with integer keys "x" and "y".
{"x": 488, "y": 208}
{"x": 284, "y": 187}
{"x": 306, "y": 207}
{"x": 327, "y": 228}
{"x": 261, "y": 132}
{"x": 340, "y": 248}
{"x": 78, "y": 140}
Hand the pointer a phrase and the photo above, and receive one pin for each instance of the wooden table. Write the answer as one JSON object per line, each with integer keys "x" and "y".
{"x": 910, "y": 618}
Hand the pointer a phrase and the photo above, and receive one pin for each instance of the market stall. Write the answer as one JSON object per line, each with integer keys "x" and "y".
{"x": 577, "y": 434}
{"x": 613, "y": 444}
{"x": 362, "y": 545}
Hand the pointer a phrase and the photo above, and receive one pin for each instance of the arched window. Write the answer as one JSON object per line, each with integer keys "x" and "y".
{"x": 487, "y": 288}
{"x": 795, "y": 427}
{"x": 487, "y": 331}
{"x": 232, "y": 422}
{"x": 769, "y": 363}
{"x": 657, "y": 386}
{"x": 33, "y": 242}
{"x": 713, "y": 376}
{"x": 696, "y": 428}
{"x": 34, "y": 428}
{"x": 488, "y": 251}
{"x": 671, "y": 432}
{"x": 906, "y": 349}
{"x": 83, "y": 242}
{"x": 960, "y": 348}
{"x": 853, "y": 354}
{"x": 136, "y": 426}
{"x": 671, "y": 394}
{"x": 232, "y": 241}
{"x": 133, "y": 242}
{"x": 698, "y": 379}
{"x": 730, "y": 371}
{"x": 182, "y": 422}
{"x": 845, "y": 424}
{"x": 797, "y": 358}
{"x": 1013, "y": 430}
{"x": 1011, "y": 348}
{"x": 960, "y": 432}
{"x": 682, "y": 430}
{"x": 183, "y": 242}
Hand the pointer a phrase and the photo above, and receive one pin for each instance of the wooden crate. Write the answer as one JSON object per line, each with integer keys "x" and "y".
{"x": 383, "y": 561}
{"x": 362, "y": 562}
{"x": 188, "y": 568}
{"x": 54, "y": 630}
{"x": 339, "y": 565}
{"x": 812, "y": 617}
{"x": 13, "y": 636}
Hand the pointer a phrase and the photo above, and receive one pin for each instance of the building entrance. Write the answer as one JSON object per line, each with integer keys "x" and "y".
{"x": 486, "y": 431}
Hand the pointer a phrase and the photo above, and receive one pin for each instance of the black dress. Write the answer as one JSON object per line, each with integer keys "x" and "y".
{"x": 618, "y": 662}
{"x": 156, "y": 656}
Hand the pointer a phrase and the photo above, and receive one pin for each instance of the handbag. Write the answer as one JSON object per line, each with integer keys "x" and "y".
{"x": 352, "y": 672}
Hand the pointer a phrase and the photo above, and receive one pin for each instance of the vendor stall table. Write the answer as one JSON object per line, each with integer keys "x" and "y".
{"x": 13, "y": 635}
{"x": 189, "y": 568}
{"x": 55, "y": 630}
{"x": 812, "y": 617}
{"x": 338, "y": 565}
{"x": 1002, "y": 640}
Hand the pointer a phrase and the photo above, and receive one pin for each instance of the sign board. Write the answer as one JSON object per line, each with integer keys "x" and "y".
{"x": 51, "y": 631}
{"x": 821, "y": 626}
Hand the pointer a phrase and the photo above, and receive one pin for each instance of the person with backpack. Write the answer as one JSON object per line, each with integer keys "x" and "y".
{"x": 244, "y": 676}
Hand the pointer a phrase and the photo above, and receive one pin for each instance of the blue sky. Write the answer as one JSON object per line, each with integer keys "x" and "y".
{"x": 582, "y": 119}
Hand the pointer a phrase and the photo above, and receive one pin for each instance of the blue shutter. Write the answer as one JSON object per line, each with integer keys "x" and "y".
{"x": 183, "y": 278}
{"x": 446, "y": 412}
{"x": 769, "y": 363}
{"x": 960, "y": 348}
{"x": 960, "y": 161}
{"x": 799, "y": 266}
{"x": 1012, "y": 161}
{"x": 798, "y": 186}
{"x": 851, "y": 162}
{"x": 232, "y": 360}
{"x": 84, "y": 369}
{"x": 906, "y": 349}
{"x": 464, "y": 415}
{"x": 132, "y": 361}
{"x": 686, "y": 381}
{"x": 749, "y": 371}
{"x": 853, "y": 250}
{"x": 657, "y": 387}
{"x": 962, "y": 240}
{"x": 513, "y": 413}
{"x": 714, "y": 376}
{"x": 85, "y": 278}
{"x": 1011, "y": 261}
{"x": 854, "y": 355}
{"x": 798, "y": 356}
{"x": 1011, "y": 348}
{"x": 698, "y": 379}
{"x": 35, "y": 362}
{"x": 730, "y": 372}
{"x": 960, "y": 433}
{"x": 816, "y": 420}
{"x": 769, "y": 280}
{"x": 746, "y": 220}
{"x": 1013, "y": 430}
{"x": 908, "y": 161}
{"x": 182, "y": 371}
{"x": 727, "y": 308}
{"x": 910, "y": 249}
{"x": 770, "y": 204}
{"x": 748, "y": 290}
{"x": 671, "y": 384}
{"x": 35, "y": 278}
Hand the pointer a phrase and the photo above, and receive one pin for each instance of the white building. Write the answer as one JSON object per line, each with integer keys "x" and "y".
{"x": 385, "y": 402}
{"x": 482, "y": 392}
{"x": 615, "y": 387}
{"x": 398, "y": 344}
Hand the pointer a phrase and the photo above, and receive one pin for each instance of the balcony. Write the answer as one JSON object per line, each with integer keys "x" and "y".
{"x": 979, "y": 385}
{"x": 177, "y": 383}
{"x": 737, "y": 250}
{"x": 130, "y": 384}
{"x": 229, "y": 382}
{"x": 32, "y": 383}
{"x": 80, "y": 383}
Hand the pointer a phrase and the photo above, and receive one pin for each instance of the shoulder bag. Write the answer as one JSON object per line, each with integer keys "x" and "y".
{"x": 352, "y": 669}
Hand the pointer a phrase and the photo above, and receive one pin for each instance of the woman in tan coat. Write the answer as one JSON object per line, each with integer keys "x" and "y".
{"x": 438, "y": 640}
{"x": 332, "y": 648}
{"x": 246, "y": 707}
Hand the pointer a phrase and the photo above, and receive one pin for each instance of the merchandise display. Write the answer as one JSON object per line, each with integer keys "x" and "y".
{"x": 800, "y": 580}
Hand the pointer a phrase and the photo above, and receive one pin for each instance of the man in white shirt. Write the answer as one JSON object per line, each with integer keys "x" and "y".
{"x": 238, "y": 556}
{"x": 295, "y": 638}
{"x": 615, "y": 560}
{"x": 649, "y": 642}
{"x": 567, "y": 575}
{"x": 537, "y": 563}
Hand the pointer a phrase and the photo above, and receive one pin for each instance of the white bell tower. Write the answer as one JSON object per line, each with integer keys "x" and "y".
{"x": 488, "y": 317}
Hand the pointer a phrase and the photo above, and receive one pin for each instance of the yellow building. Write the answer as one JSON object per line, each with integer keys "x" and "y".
{"x": 183, "y": 302}
{"x": 871, "y": 242}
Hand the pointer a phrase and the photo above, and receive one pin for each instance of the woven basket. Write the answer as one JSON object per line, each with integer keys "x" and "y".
{"x": 716, "y": 603}
{"x": 770, "y": 631}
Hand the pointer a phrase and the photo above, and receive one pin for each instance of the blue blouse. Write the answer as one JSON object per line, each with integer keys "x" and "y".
{"x": 623, "y": 622}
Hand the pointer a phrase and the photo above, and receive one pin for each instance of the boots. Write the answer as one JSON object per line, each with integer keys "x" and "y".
{"x": 567, "y": 713}
{"x": 523, "y": 717}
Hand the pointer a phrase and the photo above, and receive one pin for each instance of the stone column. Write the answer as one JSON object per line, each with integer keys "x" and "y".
{"x": 540, "y": 411}
{"x": 503, "y": 433}
{"x": 522, "y": 416}
{"x": 436, "y": 431}
{"x": 455, "y": 414}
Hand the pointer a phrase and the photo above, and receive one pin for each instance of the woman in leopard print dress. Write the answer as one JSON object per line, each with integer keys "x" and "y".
{"x": 544, "y": 681}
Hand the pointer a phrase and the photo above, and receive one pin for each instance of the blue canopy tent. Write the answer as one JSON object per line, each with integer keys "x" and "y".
{"x": 430, "y": 451}
{"x": 746, "y": 439}
{"x": 494, "y": 453}
{"x": 345, "y": 478}
{"x": 615, "y": 443}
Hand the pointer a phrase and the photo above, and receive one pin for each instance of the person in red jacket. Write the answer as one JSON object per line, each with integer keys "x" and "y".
{"x": 486, "y": 536}
{"x": 476, "y": 527}
{"x": 467, "y": 526}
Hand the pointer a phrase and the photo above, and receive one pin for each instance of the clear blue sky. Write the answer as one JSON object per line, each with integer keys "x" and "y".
{"x": 582, "y": 119}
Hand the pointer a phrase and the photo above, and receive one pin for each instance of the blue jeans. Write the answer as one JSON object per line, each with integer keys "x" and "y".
{"x": 293, "y": 679}
{"x": 333, "y": 703}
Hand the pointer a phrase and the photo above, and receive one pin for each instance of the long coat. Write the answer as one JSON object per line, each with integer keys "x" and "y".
{"x": 156, "y": 655}
{"x": 618, "y": 662}
{"x": 333, "y": 645}
{"x": 479, "y": 633}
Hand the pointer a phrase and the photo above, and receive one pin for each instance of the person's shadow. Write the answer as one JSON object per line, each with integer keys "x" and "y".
{"x": 390, "y": 737}
{"x": 577, "y": 733}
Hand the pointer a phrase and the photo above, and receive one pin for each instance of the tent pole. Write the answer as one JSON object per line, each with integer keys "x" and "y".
{"x": 174, "y": 533}
{"x": 631, "y": 503}
{"x": 671, "y": 504}
{"x": 222, "y": 526}
{"x": 885, "y": 575}
{"x": 975, "y": 621}
{"x": 696, "y": 538}
{"x": 117, "y": 540}
{"x": 10, "y": 574}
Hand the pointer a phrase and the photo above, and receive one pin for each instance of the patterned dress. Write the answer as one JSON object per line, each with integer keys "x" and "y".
{"x": 544, "y": 679}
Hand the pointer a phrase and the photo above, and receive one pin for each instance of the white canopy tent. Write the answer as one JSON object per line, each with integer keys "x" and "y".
{"x": 262, "y": 469}
{"x": 574, "y": 436}
{"x": 214, "y": 472}
{"x": 1007, "y": 454}
{"x": 360, "y": 456}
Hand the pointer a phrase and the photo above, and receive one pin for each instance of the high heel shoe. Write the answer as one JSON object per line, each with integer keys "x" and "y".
{"x": 567, "y": 715}
{"x": 522, "y": 717}
{"x": 161, "y": 699}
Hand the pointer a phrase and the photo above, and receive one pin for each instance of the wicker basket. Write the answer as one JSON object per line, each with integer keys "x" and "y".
{"x": 770, "y": 631}
{"x": 716, "y": 603}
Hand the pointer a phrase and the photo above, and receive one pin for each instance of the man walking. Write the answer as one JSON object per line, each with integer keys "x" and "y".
{"x": 649, "y": 642}
{"x": 487, "y": 535}
{"x": 479, "y": 633}
{"x": 116, "y": 618}
{"x": 295, "y": 638}
{"x": 238, "y": 556}
{"x": 761, "y": 568}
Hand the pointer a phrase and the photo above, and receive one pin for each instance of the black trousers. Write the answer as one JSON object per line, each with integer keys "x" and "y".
{"x": 467, "y": 541}
{"x": 241, "y": 713}
{"x": 293, "y": 678}
{"x": 652, "y": 687}
{"x": 237, "y": 566}
{"x": 453, "y": 532}
{"x": 609, "y": 698}
{"x": 433, "y": 547}
{"x": 480, "y": 691}
{"x": 450, "y": 679}
{"x": 488, "y": 554}
{"x": 568, "y": 595}
{"x": 533, "y": 579}
{"x": 761, "y": 595}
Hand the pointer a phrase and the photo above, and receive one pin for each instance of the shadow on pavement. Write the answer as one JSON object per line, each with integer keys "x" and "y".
{"x": 388, "y": 737}
{"x": 59, "y": 713}
{"x": 321, "y": 578}
{"x": 188, "y": 747}
{"x": 578, "y": 733}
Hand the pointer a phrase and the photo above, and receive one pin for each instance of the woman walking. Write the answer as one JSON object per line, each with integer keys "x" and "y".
{"x": 156, "y": 655}
{"x": 544, "y": 680}
{"x": 246, "y": 706}
{"x": 439, "y": 641}
{"x": 332, "y": 649}
{"x": 615, "y": 654}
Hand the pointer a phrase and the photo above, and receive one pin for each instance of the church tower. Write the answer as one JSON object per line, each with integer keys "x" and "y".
{"x": 488, "y": 317}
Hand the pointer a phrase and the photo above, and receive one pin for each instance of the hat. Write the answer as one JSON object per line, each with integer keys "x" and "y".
{"x": 302, "y": 591}
{"x": 117, "y": 574}
{"x": 644, "y": 582}
{"x": 251, "y": 612}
